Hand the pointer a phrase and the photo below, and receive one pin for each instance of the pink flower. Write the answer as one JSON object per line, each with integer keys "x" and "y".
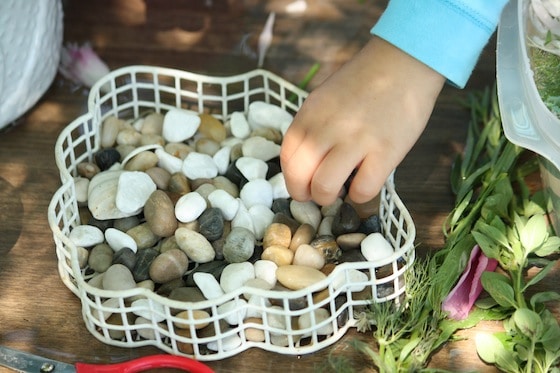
{"x": 461, "y": 299}
{"x": 82, "y": 65}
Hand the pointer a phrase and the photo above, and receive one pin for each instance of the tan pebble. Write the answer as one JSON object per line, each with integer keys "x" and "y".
{"x": 328, "y": 268}
{"x": 109, "y": 130}
{"x": 206, "y": 146}
{"x": 212, "y": 127}
{"x": 178, "y": 183}
{"x": 143, "y": 235}
{"x": 153, "y": 124}
{"x": 350, "y": 241}
{"x": 116, "y": 319}
{"x": 321, "y": 296}
{"x": 87, "y": 169}
{"x": 222, "y": 182}
{"x": 159, "y": 176}
{"x": 277, "y": 234}
{"x": 128, "y": 136}
{"x": 306, "y": 255}
{"x": 159, "y": 212}
{"x": 178, "y": 149}
{"x": 236, "y": 152}
{"x": 168, "y": 266}
{"x": 168, "y": 243}
{"x": 298, "y": 277}
{"x": 257, "y": 283}
{"x": 151, "y": 139}
{"x": 184, "y": 347}
{"x": 303, "y": 235}
{"x": 328, "y": 246}
{"x": 197, "y": 183}
{"x": 254, "y": 334}
{"x": 193, "y": 225}
{"x": 125, "y": 149}
{"x": 197, "y": 315}
{"x": 268, "y": 133}
{"x": 280, "y": 255}
{"x": 204, "y": 190}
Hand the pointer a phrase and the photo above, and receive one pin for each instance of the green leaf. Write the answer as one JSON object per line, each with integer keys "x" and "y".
{"x": 551, "y": 335}
{"x": 549, "y": 247}
{"x": 408, "y": 348}
{"x": 487, "y": 346}
{"x": 487, "y": 245}
{"x": 528, "y": 322}
{"x": 534, "y": 233}
{"x": 485, "y": 303}
{"x": 499, "y": 288}
{"x": 542, "y": 297}
{"x": 540, "y": 275}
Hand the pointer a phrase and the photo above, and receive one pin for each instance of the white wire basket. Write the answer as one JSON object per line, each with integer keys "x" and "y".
{"x": 110, "y": 315}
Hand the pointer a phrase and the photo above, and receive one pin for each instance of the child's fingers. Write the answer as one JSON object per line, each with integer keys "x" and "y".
{"x": 369, "y": 179}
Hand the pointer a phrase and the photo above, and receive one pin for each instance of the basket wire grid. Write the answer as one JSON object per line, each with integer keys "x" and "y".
{"x": 128, "y": 93}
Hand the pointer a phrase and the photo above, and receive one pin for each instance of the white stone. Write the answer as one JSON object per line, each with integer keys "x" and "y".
{"x": 233, "y": 311}
{"x": 306, "y": 213}
{"x": 208, "y": 285}
{"x": 235, "y": 275}
{"x": 260, "y": 148}
{"x": 231, "y": 141}
{"x": 195, "y": 245}
{"x": 133, "y": 190}
{"x": 256, "y": 283}
{"x": 228, "y": 343}
{"x": 376, "y": 248}
{"x": 224, "y": 201}
{"x": 169, "y": 162}
{"x": 106, "y": 305}
{"x": 199, "y": 166}
{"x": 325, "y": 228}
{"x": 118, "y": 240}
{"x": 262, "y": 114}
{"x": 180, "y": 125}
{"x": 252, "y": 168}
{"x": 118, "y": 277}
{"x": 262, "y": 217}
{"x": 266, "y": 270}
{"x": 307, "y": 255}
{"x": 148, "y": 309}
{"x": 256, "y": 192}
{"x": 275, "y": 319}
{"x": 320, "y": 315}
{"x": 221, "y": 159}
{"x": 257, "y": 305}
{"x": 239, "y": 125}
{"x": 243, "y": 218}
{"x": 279, "y": 188}
{"x": 189, "y": 207}
{"x": 147, "y": 332}
{"x": 356, "y": 280}
{"x": 86, "y": 235}
{"x": 81, "y": 186}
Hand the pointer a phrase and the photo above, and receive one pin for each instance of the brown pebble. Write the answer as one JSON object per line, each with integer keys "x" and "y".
{"x": 304, "y": 235}
{"x": 277, "y": 234}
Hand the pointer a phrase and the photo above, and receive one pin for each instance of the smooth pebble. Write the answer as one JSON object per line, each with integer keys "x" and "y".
{"x": 376, "y": 248}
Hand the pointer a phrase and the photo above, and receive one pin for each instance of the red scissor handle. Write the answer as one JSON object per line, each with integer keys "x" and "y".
{"x": 144, "y": 363}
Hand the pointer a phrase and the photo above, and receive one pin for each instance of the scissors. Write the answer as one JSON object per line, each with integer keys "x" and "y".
{"x": 29, "y": 363}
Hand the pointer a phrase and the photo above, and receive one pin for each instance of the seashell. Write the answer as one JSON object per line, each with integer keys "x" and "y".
{"x": 139, "y": 150}
{"x": 102, "y": 193}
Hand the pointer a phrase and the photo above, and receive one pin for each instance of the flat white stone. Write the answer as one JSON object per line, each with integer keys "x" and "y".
{"x": 260, "y": 148}
{"x": 224, "y": 201}
{"x": 235, "y": 275}
{"x": 199, "y": 166}
{"x": 86, "y": 235}
{"x": 189, "y": 207}
{"x": 208, "y": 285}
{"x": 180, "y": 125}
{"x": 262, "y": 114}
{"x": 266, "y": 270}
{"x": 256, "y": 192}
{"x": 376, "y": 248}
{"x": 239, "y": 125}
{"x": 228, "y": 343}
{"x": 279, "y": 188}
{"x": 234, "y": 311}
{"x": 252, "y": 168}
{"x": 169, "y": 162}
{"x": 262, "y": 217}
{"x": 133, "y": 190}
{"x": 356, "y": 280}
{"x": 221, "y": 159}
{"x": 118, "y": 240}
{"x": 148, "y": 310}
{"x": 242, "y": 218}
{"x": 306, "y": 212}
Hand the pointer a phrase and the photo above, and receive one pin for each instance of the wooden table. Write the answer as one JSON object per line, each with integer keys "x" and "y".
{"x": 39, "y": 314}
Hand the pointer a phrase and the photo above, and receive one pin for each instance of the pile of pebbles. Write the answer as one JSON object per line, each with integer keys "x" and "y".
{"x": 193, "y": 208}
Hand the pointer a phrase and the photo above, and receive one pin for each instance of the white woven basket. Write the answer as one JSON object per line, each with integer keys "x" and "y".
{"x": 136, "y": 89}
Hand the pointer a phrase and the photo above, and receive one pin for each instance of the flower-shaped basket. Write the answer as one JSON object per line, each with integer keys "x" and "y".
{"x": 110, "y": 315}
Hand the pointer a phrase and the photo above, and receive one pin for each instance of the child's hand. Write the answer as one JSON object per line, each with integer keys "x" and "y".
{"x": 366, "y": 116}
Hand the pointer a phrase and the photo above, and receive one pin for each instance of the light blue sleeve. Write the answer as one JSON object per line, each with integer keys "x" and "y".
{"x": 447, "y": 35}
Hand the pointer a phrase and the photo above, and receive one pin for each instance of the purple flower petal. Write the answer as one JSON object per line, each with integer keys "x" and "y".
{"x": 461, "y": 299}
{"x": 82, "y": 65}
